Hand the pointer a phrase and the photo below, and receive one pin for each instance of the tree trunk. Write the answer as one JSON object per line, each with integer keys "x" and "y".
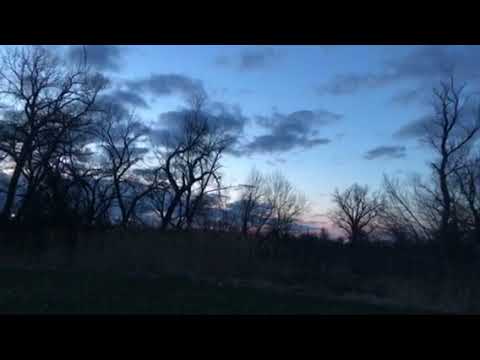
{"x": 120, "y": 202}
{"x": 168, "y": 215}
{"x": 12, "y": 190}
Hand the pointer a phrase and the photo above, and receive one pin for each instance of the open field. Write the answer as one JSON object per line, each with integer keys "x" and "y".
{"x": 61, "y": 292}
{"x": 384, "y": 276}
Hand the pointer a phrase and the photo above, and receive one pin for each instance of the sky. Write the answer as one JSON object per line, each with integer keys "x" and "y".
{"x": 325, "y": 116}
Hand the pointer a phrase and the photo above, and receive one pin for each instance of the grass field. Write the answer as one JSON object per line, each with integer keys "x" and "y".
{"x": 60, "y": 292}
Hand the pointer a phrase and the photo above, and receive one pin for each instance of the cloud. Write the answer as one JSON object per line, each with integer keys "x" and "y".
{"x": 415, "y": 129}
{"x": 408, "y": 96}
{"x": 391, "y": 152}
{"x": 424, "y": 64}
{"x": 285, "y": 132}
{"x": 418, "y": 128}
{"x": 351, "y": 83}
{"x": 129, "y": 98}
{"x": 122, "y": 101}
{"x": 298, "y": 121}
{"x": 252, "y": 58}
{"x": 228, "y": 118}
{"x": 102, "y": 57}
{"x": 168, "y": 84}
{"x": 298, "y": 130}
{"x": 108, "y": 102}
{"x": 133, "y": 93}
{"x": 222, "y": 60}
{"x": 283, "y": 143}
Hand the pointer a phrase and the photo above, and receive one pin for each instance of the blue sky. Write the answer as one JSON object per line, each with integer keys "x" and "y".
{"x": 351, "y": 100}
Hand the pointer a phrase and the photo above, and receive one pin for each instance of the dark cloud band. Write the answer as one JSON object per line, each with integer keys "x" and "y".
{"x": 390, "y": 152}
{"x": 102, "y": 57}
{"x": 285, "y": 132}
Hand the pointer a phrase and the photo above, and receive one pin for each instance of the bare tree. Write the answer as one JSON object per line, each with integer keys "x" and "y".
{"x": 401, "y": 215}
{"x": 280, "y": 208}
{"x": 468, "y": 184}
{"x": 450, "y": 133}
{"x": 251, "y": 204}
{"x": 46, "y": 101}
{"x": 95, "y": 196}
{"x": 286, "y": 202}
{"x": 119, "y": 138}
{"x": 270, "y": 202}
{"x": 189, "y": 158}
{"x": 356, "y": 211}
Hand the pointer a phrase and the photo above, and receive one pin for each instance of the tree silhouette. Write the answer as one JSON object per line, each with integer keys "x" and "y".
{"x": 356, "y": 211}
{"x": 449, "y": 134}
{"x": 47, "y": 102}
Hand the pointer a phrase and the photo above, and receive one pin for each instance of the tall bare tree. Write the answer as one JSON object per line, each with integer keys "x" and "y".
{"x": 45, "y": 100}
{"x": 450, "y": 133}
{"x": 120, "y": 136}
{"x": 189, "y": 158}
{"x": 468, "y": 184}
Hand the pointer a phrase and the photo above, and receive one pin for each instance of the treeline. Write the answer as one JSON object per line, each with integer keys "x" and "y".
{"x": 443, "y": 209}
{"x": 73, "y": 156}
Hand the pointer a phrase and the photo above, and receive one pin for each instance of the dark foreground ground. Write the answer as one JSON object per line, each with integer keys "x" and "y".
{"x": 53, "y": 292}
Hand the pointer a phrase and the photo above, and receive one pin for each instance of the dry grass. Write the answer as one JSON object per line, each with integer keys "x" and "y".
{"x": 225, "y": 257}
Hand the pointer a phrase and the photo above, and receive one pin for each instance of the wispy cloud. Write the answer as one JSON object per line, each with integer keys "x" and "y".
{"x": 129, "y": 98}
{"x": 414, "y": 129}
{"x": 252, "y": 58}
{"x": 423, "y": 64}
{"x": 389, "y": 152}
{"x": 344, "y": 84}
{"x": 168, "y": 84}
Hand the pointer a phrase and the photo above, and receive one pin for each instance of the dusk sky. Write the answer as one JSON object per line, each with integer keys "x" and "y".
{"x": 325, "y": 116}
